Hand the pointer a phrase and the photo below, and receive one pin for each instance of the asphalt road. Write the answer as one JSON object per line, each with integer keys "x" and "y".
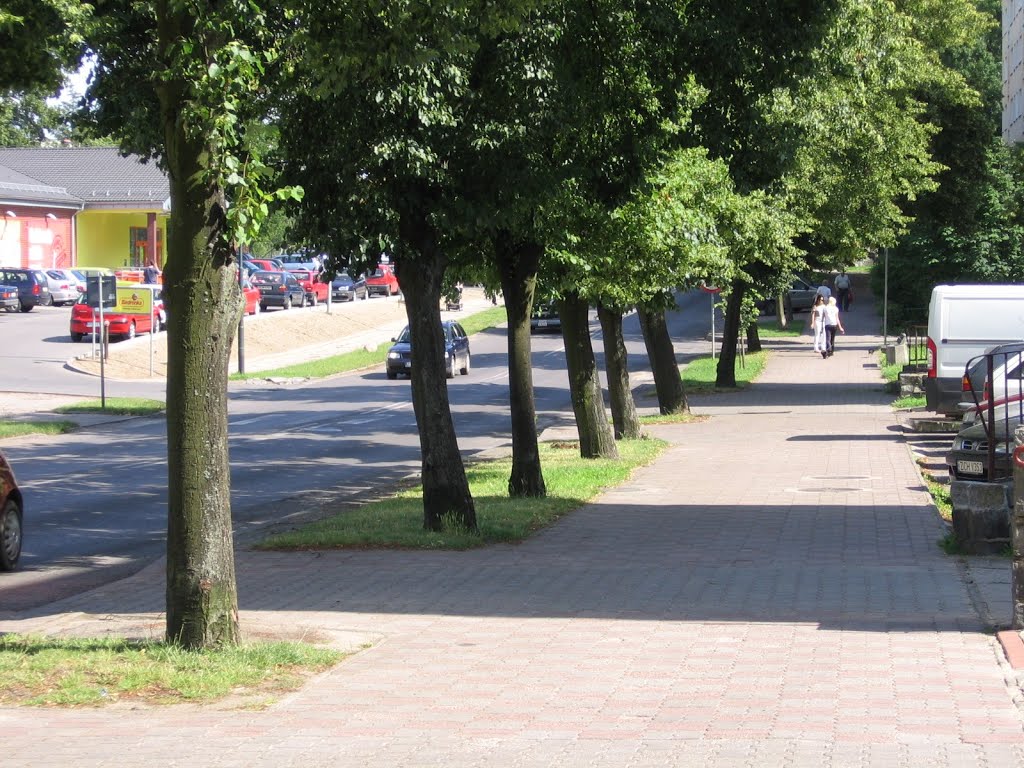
{"x": 96, "y": 499}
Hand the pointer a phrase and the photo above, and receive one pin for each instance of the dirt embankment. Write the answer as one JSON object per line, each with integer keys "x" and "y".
{"x": 276, "y": 337}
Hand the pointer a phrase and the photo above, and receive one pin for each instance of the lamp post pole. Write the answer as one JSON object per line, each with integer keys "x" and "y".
{"x": 885, "y": 302}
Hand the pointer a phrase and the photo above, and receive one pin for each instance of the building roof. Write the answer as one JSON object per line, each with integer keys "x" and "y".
{"x": 18, "y": 189}
{"x": 98, "y": 177}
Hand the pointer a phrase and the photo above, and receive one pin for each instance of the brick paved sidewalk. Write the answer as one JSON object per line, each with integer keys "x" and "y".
{"x": 769, "y": 593}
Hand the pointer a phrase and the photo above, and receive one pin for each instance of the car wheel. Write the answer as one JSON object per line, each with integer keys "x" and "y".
{"x": 10, "y": 535}
{"x": 76, "y": 337}
{"x": 26, "y": 307}
{"x": 465, "y": 369}
{"x": 392, "y": 374}
{"x": 312, "y": 300}
{"x": 302, "y": 301}
{"x": 262, "y": 306}
{"x": 450, "y": 368}
{"x": 387, "y": 291}
{"x": 131, "y": 331}
{"x": 287, "y": 302}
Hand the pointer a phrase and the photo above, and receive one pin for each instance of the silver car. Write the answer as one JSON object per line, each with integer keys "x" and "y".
{"x": 65, "y": 287}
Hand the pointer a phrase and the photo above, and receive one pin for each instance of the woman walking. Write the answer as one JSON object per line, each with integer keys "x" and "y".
{"x": 832, "y": 324}
{"x": 818, "y": 324}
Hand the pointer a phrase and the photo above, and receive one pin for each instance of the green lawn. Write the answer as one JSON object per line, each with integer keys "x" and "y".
{"x": 398, "y": 521}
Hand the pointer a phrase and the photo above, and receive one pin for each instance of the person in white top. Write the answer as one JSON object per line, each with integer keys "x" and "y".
{"x": 843, "y": 293}
{"x": 832, "y": 324}
{"x": 818, "y": 323}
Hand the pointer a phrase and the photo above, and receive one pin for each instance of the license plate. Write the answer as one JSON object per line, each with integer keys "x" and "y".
{"x": 408, "y": 364}
{"x": 970, "y": 468}
{"x": 266, "y": 289}
{"x": 542, "y": 323}
{"x": 92, "y": 325}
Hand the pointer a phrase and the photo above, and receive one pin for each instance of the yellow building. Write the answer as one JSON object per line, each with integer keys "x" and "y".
{"x": 81, "y": 207}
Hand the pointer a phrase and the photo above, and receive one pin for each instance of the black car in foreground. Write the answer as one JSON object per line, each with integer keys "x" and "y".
{"x": 345, "y": 288}
{"x": 278, "y": 289}
{"x": 11, "y": 517}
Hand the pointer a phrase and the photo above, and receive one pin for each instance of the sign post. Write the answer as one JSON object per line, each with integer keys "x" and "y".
{"x": 714, "y": 292}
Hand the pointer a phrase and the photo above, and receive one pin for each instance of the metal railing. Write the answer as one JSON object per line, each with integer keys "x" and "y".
{"x": 993, "y": 386}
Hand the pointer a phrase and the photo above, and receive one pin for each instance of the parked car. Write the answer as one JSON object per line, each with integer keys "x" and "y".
{"x": 344, "y": 288}
{"x": 251, "y": 295}
{"x": 382, "y": 281}
{"x": 456, "y": 350}
{"x": 545, "y": 318}
{"x": 33, "y": 286}
{"x": 64, "y": 287}
{"x": 278, "y": 289}
{"x": 963, "y": 321}
{"x": 9, "y": 298}
{"x": 12, "y": 512}
{"x": 270, "y": 265}
{"x": 316, "y": 289}
{"x": 968, "y": 458}
{"x": 132, "y": 314}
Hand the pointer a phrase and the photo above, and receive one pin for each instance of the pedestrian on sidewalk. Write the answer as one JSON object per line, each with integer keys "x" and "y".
{"x": 832, "y": 324}
{"x": 818, "y": 323}
{"x": 843, "y": 292}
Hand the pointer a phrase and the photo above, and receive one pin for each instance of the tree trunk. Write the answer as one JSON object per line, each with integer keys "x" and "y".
{"x": 625, "y": 422}
{"x": 726, "y": 374}
{"x": 517, "y": 265}
{"x": 662, "y": 356}
{"x": 596, "y": 439}
{"x": 204, "y": 306}
{"x": 753, "y": 338}
{"x": 446, "y": 492}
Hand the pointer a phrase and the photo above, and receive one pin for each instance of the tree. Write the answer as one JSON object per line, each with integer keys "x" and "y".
{"x": 969, "y": 228}
{"x": 40, "y": 40}
{"x": 179, "y": 81}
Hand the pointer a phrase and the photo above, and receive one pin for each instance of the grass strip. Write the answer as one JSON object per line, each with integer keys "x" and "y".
{"x": 116, "y": 406}
{"x": 397, "y": 522}
{"x": 700, "y": 374}
{"x": 76, "y": 672}
{"x": 10, "y": 428}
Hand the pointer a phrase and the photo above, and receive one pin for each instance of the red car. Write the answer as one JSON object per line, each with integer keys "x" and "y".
{"x": 382, "y": 281}
{"x": 316, "y": 290}
{"x": 129, "y": 317}
{"x": 11, "y": 517}
{"x": 251, "y": 294}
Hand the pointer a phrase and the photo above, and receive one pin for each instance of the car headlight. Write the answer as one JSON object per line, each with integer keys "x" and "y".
{"x": 393, "y": 355}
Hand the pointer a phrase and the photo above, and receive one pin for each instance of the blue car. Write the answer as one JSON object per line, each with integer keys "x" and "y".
{"x": 456, "y": 349}
{"x": 344, "y": 288}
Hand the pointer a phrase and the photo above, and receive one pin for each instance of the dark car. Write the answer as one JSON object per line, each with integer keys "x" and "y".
{"x": 9, "y": 298}
{"x": 32, "y": 284}
{"x": 968, "y": 458}
{"x": 344, "y": 288}
{"x": 278, "y": 289}
{"x": 545, "y": 318}
{"x": 11, "y": 517}
{"x": 456, "y": 350}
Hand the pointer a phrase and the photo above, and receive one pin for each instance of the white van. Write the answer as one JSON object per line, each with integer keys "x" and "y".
{"x": 963, "y": 320}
